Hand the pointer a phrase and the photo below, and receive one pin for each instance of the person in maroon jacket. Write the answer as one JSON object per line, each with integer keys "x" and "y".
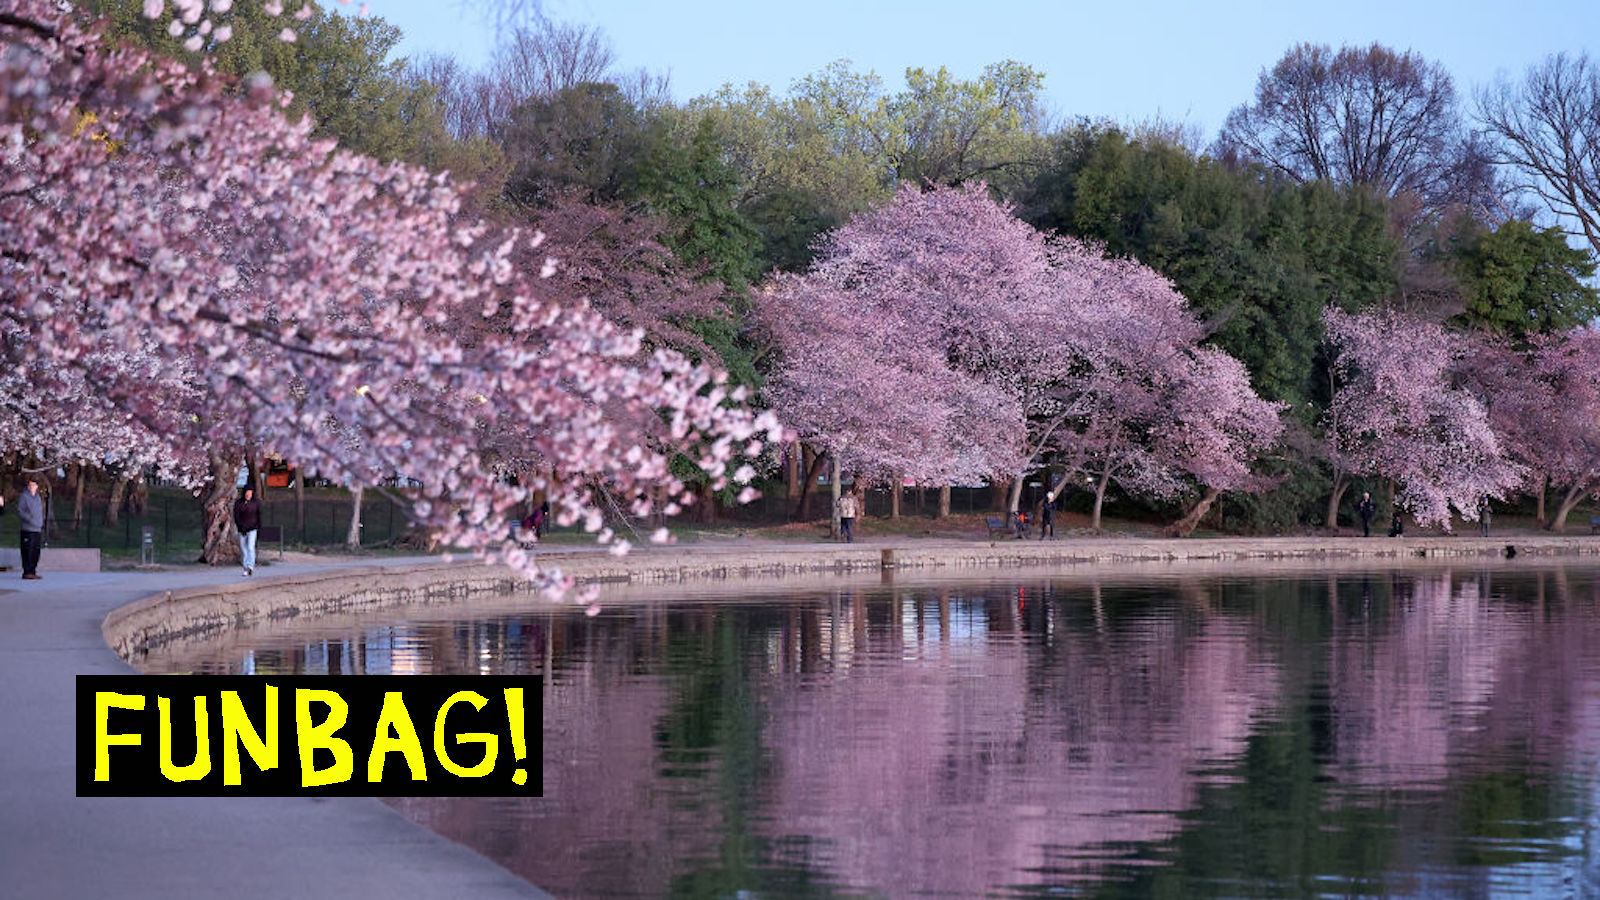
{"x": 247, "y": 518}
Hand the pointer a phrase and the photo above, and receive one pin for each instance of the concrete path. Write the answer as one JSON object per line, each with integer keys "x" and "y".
{"x": 56, "y": 845}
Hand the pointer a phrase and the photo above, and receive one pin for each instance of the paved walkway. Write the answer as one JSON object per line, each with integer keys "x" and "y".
{"x": 56, "y": 845}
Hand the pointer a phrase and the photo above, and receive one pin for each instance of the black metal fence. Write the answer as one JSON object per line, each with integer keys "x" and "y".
{"x": 774, "y": 506}
{"x": 176, "y": 522}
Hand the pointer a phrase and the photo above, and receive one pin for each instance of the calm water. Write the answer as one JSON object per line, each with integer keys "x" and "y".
{"x": 1425, "y": 733}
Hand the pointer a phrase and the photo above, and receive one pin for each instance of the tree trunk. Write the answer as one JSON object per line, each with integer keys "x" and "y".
{"x": 52, "y": 509}
{"x": 1000, "y": 494}
{"x": 1014, "y": 501}
{"x": 300, "y": 505}
{"x": 1099, "y": 499}
{"x": 805, "y": 489}
{"x": 944, "y": 501}
{"x": 894, "y": 496}
{"x": 222, "y": 539}
{"x": 1544, "y": 488}
{"x": 1186, "y": 525}
{"x": 1569, "y": 502}
{"x": 833, "y": 493}
{"x": 77, "y": 499}
{"x": 352, "y": 538}
{"x": 119, "y": 489}
{"x": 1341, "y": 483}
{"x": 707, "y": 504}
{"x": 794, "y": 460}
{"x": 138, "y": 496}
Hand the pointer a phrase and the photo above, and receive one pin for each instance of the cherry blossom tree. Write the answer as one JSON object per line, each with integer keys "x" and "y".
{"x": 1215, "y": 426}
{"x": 616, "y": 260}
{"x": 1544, "y": 404}
{"x": 886, "y": 342}
{"x": 858, "y": 386}
{"x": 941, "y": 337}
{"x": 1403, "y": 415}
{"x": 307, "y": 294}
{"x": 1157, "y": 412}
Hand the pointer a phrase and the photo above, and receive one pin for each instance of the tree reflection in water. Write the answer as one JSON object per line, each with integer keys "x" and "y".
{"x": 1409, "y": 733}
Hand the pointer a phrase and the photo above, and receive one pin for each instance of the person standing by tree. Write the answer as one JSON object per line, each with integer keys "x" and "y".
{"x": 30, "y": 510}
{"x": 849, "y": 508}
{"x": 1047, "y": 516}
{"x": 1483, "y": 515}
{"x": 1366, "y": 510}
{"x": 247, "y": 518}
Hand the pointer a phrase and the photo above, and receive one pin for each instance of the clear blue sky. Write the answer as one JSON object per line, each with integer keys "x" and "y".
{"x": 1125, "y": 61}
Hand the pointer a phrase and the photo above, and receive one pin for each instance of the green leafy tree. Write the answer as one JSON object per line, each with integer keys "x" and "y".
{"x": 840, "y": 143}
{"x": 804, "y": 164}
{"x": 692, "y": 186}
{"x": 338, "y": 70}
{"x": 588, "y": 136}
{"x": 947, "y": 131}
{"x": 1519, "y": 279}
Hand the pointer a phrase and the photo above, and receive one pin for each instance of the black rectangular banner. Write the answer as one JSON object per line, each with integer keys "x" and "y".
{"x": 309, "y": 735}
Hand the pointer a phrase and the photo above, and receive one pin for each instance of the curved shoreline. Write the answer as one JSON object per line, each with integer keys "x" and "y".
{"x": 195, "y": 613}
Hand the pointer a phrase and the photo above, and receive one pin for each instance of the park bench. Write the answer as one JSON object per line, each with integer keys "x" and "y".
{"x": 271, "y": 533}
{"x": 1594, "y": 524}
{"x": 996, "y": 526}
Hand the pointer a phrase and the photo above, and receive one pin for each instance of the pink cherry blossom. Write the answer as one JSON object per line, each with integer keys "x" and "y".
{"x": 1402, "y": 414}
{"x": 943, "y": 339}
{"x": 188, "y": 273}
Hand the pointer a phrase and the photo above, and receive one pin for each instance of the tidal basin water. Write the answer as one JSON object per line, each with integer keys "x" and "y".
{"x": 1403, "y": 733}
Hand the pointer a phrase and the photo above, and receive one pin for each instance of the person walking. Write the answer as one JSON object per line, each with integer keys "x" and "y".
{"x": 247, "y": 518}
{"x": 30, "y": 510}
{"x": 1483, "y": 515}
{"x": 1366, "y": 510}
{"x": 849, "y": 508}
{"x": 1047, "y": 516}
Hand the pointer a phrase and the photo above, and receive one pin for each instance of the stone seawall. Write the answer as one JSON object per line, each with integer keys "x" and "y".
{"x": 195, "y": 613}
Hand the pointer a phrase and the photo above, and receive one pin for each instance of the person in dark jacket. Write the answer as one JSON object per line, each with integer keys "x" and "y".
{"x": 1484, "y": 513}
{"x": 247, "y": 518}
{"x": 1366, "y": 510}
{"x": 1397, "y": 528}
{"x": 1047, "y": 516}
{"x": 30, "y": 510}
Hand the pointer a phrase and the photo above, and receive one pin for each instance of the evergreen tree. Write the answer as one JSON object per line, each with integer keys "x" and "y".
{"x": 1519, "y": 280}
